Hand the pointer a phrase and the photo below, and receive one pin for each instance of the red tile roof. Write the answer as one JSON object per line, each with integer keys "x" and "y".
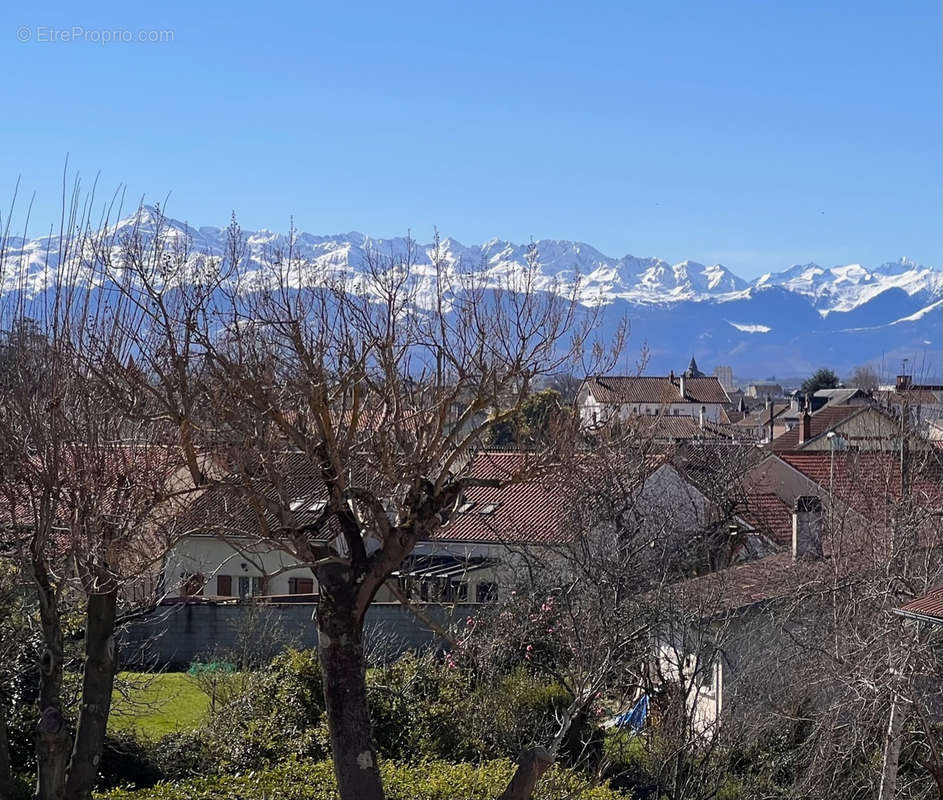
{"x": 227, "y": 508}
{"x": 669, "y": 427}
{"x": 865, "y": 478}
{"x": 760, "y": 416}
{"x": 741, "y": 585}
{"x": 533, "y": 510}
{"x": 822, "y": 421}
{"x": 769, "y": 515}
{"x": 656, "y": 390}
{"x": 928, "y": 605}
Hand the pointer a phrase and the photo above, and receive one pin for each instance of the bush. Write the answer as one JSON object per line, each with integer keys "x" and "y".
{"x": 126, "y": 759}
{"x": 431, "y": 780}
{"x": 422, "y": 708}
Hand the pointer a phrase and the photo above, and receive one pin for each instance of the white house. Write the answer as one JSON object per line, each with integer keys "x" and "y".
{"x": 690, "y": 394}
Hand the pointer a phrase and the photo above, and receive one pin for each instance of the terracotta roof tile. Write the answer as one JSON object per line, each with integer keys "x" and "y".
{"x": 656, "y": 390}
{"x": 822, "y": 421}
{"x": 769, "y": 515}
{"x": 531, "y": 511}
{"x": 928, "y": 605}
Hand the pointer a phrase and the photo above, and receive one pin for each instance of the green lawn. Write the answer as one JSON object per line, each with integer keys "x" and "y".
{"x": 155, "y": 704}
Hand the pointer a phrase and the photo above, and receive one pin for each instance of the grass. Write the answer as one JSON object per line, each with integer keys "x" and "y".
{"x": 155, "y": 704}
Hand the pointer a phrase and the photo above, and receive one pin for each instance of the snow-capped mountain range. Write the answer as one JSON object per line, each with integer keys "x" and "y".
{"x": 781, "y": 322}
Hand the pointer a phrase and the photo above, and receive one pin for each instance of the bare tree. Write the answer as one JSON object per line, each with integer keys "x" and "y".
{"x": 83, "y": 480}
{"x": 866, "y": 378}
{"x": 598, "y": 611}
{"x": 381, "y": 380}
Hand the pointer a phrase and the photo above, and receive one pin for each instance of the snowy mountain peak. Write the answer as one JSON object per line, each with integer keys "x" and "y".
{"x": 601, "y": 278}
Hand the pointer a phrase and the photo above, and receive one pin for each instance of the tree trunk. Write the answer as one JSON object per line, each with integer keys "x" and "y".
{"x": 340, "y": 647}
{"x": 892, "y": 743}
{"x": 530, "y": 768}
{"x": 52, "y": 737}
{"x": 98, "y": 680}
{"x": 6, "y": 775}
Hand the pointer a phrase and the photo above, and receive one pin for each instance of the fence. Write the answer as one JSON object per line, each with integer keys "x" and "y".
{"x": 174, "y": 635}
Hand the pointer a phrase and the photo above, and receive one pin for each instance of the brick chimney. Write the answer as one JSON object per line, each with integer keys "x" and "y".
{"x": 807, "y": 527}
{"x": 805, "y": 426}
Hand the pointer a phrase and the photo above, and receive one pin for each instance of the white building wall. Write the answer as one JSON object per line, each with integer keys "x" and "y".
{"x": 238, "y": 558}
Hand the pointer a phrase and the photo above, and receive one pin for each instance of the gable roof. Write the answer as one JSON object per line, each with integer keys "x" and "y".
{"x": 742, "y": 584}
{"x": 841, "y": 396}
{"x": 243, "y": 507}
{"x": 529, "y": 511}
{"x": 768, "y": 514}
{"x": 822, "y": 421}
{"x": 655, "y": 390}
{"x": 867, "y": 479}
{"x": 760, "y": 416}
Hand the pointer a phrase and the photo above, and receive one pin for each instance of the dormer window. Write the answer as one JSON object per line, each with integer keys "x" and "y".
{"x": 308, "y": 504}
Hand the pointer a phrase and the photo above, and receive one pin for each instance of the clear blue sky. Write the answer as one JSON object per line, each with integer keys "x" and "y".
{"x": 713, "y": 131}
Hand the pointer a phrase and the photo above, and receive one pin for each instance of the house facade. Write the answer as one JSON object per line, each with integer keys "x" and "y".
{"x": 699, "y": 397}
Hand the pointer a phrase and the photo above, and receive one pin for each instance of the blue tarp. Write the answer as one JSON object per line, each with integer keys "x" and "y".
{"x": 635, "y": 719}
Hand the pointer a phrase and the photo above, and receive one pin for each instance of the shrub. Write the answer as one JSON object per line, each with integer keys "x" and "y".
{"x": 423, "y": 708}
{"x": 431, "y": 780}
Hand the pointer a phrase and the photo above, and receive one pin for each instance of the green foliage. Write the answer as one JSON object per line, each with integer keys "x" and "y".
{"x": 424, "y": 708}
{"x": 278, "y": 713}
{"x": 822, "y": 379}
{"x": 531, "y": 424}
{"x": 430, "y": 780}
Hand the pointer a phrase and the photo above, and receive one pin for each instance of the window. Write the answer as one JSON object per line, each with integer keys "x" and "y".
{"x": 461, "y": 591}
{"x": 193, "y": 583}
{"x": 250, "y": 586}
{"x": 486, "y": 592}
{"x": 301, "y": 585}
{"x": 224, "y": 585}
{"x": 308, "y": 504}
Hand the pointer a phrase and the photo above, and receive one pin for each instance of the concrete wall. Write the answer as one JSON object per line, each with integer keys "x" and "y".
{"x": 177, "y": 634}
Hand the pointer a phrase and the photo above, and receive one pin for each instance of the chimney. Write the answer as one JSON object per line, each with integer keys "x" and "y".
{"x": 903, "y": 383}
{"x": 805, "y": 426}
{"x": 700, "y": 417}
{"x": 681, "y": 386}
{"x": 771, "y": 426}
{"x": 767, "y": 401}
{"x": 807, "y": 528}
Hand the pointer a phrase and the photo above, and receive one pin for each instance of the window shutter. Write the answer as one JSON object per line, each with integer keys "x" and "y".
{"x": 224, "y": 585}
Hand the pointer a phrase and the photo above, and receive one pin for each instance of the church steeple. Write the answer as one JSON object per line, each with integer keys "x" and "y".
{"x": 692, "y": 371}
